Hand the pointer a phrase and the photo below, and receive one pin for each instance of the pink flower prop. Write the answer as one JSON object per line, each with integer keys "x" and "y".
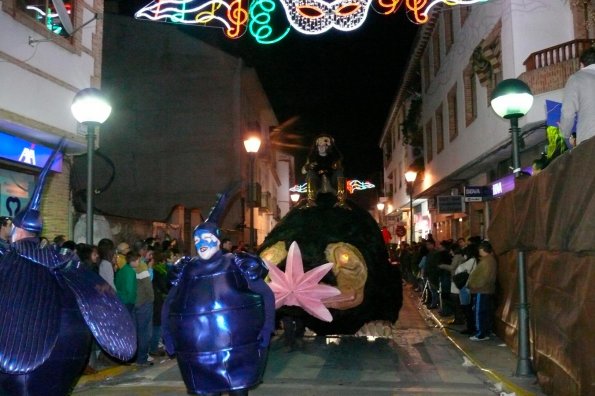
{"x": 294, "y": 287}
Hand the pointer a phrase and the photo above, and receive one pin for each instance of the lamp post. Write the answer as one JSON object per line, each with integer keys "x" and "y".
{"x": 90, "y": 108}
{"x": 252, "y": 144}
{"x": 511, "y": 100}
{"x": 410, "y": 177}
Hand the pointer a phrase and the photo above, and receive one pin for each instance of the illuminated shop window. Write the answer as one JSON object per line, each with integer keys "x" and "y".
{"x": 44, "y": 12}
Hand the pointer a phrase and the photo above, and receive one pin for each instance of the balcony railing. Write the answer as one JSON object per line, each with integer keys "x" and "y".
{"x": 557, "y": 54}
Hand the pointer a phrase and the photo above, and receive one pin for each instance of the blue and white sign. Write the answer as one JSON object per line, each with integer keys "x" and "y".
{"x": 478, "y": 193}
{"x": 19, "y": 150}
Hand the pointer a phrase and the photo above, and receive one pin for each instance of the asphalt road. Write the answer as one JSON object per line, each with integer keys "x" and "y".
{"x": 409, "y": 358}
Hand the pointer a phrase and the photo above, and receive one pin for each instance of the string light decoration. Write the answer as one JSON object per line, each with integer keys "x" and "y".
{"x": 261, "y": 14}
{"x": 231, "y": 16}
{"x": 351, "y": 185}
{"x": 354, "y": 185}
{"x": 299, "y": 188}
{"x": 418, "y": 11}
{"x": 318, "y": 16}
{"x": 310, "y": 17}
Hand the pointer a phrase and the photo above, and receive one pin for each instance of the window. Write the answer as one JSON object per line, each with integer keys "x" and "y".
{"x": 389, "y": 146}
{"x": 439, "y": 130}
{"x": 453, "y": 130}
{"x": 429, "y": 148}
{"x": 464, "y": 12}
{"x": 470, "y": 95}
{"x": 487, "y": 61}
{"x": 436, "y": 51}
{"x": 400, "y": 123}
{"x": 448, "y": 29}
{"x": 48, "y": 18}
{"x": 426, "y": 69}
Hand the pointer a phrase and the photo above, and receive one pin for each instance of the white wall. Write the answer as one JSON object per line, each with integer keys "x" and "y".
{"x": 536, "y": 25}
{"x": 527, "y": 26}
{"x": 486, "y": 132}
{"x": 39, "y": 81}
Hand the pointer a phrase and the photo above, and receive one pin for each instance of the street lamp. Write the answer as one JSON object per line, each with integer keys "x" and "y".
{"x": 252, "y": 144}
{"x": 410, "y": 177}
{"x": 90, "y": 108}
{"x": 295, "y": 197}
{"x": 511, "y": 100}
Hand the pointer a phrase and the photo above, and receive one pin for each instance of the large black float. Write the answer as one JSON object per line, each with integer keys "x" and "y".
{"x": 349, "y": 237}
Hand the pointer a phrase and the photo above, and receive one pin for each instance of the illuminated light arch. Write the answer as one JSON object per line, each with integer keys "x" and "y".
{"x": 351, "y": 185}
{"x": 419, "y": 10}
{"x": 232, "y": 17}
{"x": 318, "y": 16}
{"x": 260, "y": 19}
{"x": 387, "y": 7}
{"x": 310, "y": 17}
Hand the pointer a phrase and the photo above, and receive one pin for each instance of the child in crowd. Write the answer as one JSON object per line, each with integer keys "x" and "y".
{"x": 125, "y": 281}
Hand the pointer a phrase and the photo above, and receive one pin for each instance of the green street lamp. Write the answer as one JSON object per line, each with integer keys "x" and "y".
{"x": 511, "y": 100}
{"x": 90, "y": 108}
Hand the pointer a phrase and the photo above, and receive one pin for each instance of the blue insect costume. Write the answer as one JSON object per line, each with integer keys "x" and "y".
{"x": 219, "y": 315}
{"x": 50, "y": 308}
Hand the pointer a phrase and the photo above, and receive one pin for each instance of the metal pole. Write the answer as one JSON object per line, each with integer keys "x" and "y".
{"x": 251, "y": 199}
{"x": 90, "y": 148}
{"x": 523, "y": 367}
{"x": 516, "y": 158}
{"x": 411, "y": 225}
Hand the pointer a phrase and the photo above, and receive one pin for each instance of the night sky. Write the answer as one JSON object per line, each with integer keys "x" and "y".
{"x": 342, "y": 83}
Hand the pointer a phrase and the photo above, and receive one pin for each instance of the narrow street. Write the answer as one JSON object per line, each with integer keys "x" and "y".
{"x": 417, "y": 359}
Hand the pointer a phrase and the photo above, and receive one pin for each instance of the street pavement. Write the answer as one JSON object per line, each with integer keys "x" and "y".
{"x": 417, "y": 356}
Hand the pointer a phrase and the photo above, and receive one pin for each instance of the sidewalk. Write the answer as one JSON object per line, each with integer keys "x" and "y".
{"x": 493, "y": 357}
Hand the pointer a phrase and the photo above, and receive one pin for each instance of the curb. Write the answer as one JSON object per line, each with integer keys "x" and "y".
{"x": 490, "y": 373}
{"x": 104, "y": 374}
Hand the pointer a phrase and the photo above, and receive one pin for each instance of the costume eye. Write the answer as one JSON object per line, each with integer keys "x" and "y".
{"x": 311, "y": 12}
{"x": 348, "y": 9}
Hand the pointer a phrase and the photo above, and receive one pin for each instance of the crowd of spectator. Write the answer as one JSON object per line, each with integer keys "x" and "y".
{"x": 138, "y": 275}
{"x": 455, "y": 278}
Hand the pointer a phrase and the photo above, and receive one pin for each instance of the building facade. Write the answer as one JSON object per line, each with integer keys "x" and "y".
{"x": 181, "y": 111}
{"x": 44, "y": 62}
{"x": 443, "y": 107}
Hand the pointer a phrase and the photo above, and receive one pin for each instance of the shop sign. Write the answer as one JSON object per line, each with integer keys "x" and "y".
{"x": 451, "y": 204}
{"x": 478, "y": 193}
{"x": 19, "y": 150}
{"x": 506, "y": 184}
